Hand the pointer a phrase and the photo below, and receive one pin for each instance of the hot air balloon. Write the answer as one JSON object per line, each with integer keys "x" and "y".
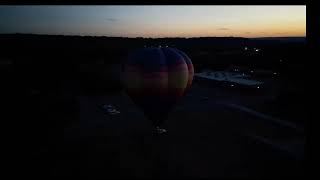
{"x": 156, "y": 79}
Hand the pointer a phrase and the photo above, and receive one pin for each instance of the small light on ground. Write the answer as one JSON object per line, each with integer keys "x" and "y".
{"x": 258, "y": 87}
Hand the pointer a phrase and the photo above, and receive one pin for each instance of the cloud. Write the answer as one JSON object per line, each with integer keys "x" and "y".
{"x": 111, "y": 19}
{"x": 223, "y": 29}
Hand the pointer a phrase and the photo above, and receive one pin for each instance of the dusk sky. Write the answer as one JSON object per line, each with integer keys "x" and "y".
{"x": 156, "y": 21}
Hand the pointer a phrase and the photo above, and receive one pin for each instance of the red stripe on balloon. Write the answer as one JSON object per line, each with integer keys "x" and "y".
{"x": 177, "y": 66}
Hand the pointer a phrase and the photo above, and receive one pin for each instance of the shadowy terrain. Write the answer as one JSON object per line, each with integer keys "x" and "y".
{"x": 54, "y": 87}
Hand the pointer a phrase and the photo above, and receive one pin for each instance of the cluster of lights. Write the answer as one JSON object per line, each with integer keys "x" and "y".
{"x": 232, "y": 85}
{"x": 255, "y": 49}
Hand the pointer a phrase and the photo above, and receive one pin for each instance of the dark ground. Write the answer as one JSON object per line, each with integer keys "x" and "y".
{"x": 54, "y": 87}
{"x": 206, "y": 139}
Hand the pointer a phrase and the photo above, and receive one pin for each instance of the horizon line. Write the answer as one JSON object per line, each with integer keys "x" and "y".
{"x": 154, "y": 37}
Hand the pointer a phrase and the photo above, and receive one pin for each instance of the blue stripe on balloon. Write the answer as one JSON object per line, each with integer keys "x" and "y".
{"x": 149, "y": 60}
{"x": 172, "y": 57}
{"x": 186, "y": 58}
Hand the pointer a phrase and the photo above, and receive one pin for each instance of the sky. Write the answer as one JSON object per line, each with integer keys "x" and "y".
{"x": 156, "y": 21}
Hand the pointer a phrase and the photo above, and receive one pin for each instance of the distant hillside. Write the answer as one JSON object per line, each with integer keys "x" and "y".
{"x": 284, "y": 39}
{"x": 89, "y": 48}
{"x": 139, "y": 41}
{"x": 97, "y": 46}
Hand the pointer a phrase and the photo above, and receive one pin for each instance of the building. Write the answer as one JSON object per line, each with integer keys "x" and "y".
{"x": 230, "y": 79}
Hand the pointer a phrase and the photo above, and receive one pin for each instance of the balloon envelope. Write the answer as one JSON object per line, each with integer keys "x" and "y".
{"x": 156, "y": 78}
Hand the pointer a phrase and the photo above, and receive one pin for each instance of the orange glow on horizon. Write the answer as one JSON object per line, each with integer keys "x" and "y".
{"x": 156, "y": 21}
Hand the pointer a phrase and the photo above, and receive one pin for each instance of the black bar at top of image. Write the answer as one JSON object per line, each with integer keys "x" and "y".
{"x": 153, "y": 2}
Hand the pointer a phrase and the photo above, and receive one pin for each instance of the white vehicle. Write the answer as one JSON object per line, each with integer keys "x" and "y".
{"x": 111, "y": 110}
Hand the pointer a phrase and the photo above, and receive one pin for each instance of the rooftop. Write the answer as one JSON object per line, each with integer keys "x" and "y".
{"x": 239, "y": 78}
